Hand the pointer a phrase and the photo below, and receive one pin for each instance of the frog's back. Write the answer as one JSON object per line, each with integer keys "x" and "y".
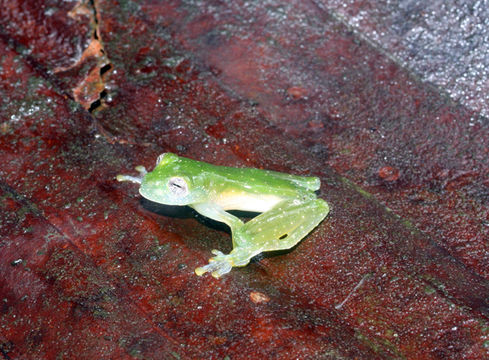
{"x": 311, "y": 183}
{"x": 250, "y": 176}
{"x": 268, "y": 177}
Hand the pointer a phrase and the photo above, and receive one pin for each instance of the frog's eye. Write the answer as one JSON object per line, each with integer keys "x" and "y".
{"x": 159, "y": 158}
{"x": 178, "y": 186}
{"x": 166, "y": 158}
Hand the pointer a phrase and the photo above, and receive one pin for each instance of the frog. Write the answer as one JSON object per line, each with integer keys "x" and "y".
{"x": 287, "y": 206}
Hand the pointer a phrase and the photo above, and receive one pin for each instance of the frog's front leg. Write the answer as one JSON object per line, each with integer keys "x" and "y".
{"x": 135, "y": 179}
{"x": 215, "y": 212}
{"x": 279, "y": 228}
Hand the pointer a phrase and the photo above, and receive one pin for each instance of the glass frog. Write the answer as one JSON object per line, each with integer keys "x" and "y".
{"x": 287, "y": 203}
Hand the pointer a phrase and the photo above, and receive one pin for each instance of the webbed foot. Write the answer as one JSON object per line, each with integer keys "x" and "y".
{"x": 221, "y": 264}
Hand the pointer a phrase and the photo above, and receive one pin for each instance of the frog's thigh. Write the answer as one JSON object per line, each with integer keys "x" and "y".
{"x": 285, "y": 225}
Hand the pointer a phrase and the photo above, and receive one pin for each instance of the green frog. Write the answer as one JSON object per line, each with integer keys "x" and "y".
{"x": 288, "y": 204}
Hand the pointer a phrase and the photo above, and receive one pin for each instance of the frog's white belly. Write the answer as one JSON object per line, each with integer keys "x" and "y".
{"x": 234, "y": 200}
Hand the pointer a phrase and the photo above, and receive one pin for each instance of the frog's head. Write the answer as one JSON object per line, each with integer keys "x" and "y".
{"x": 170, "y": 182}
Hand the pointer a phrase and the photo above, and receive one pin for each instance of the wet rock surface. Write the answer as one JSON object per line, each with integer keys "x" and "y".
{"x": 399, "y": 269}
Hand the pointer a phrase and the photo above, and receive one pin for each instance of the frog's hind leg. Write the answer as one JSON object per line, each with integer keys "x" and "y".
{"x": 279, "y": 228}
{"x": 283, "y": 226}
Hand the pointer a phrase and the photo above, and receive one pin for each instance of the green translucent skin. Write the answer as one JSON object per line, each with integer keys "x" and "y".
{"x": 287, "y": 203}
